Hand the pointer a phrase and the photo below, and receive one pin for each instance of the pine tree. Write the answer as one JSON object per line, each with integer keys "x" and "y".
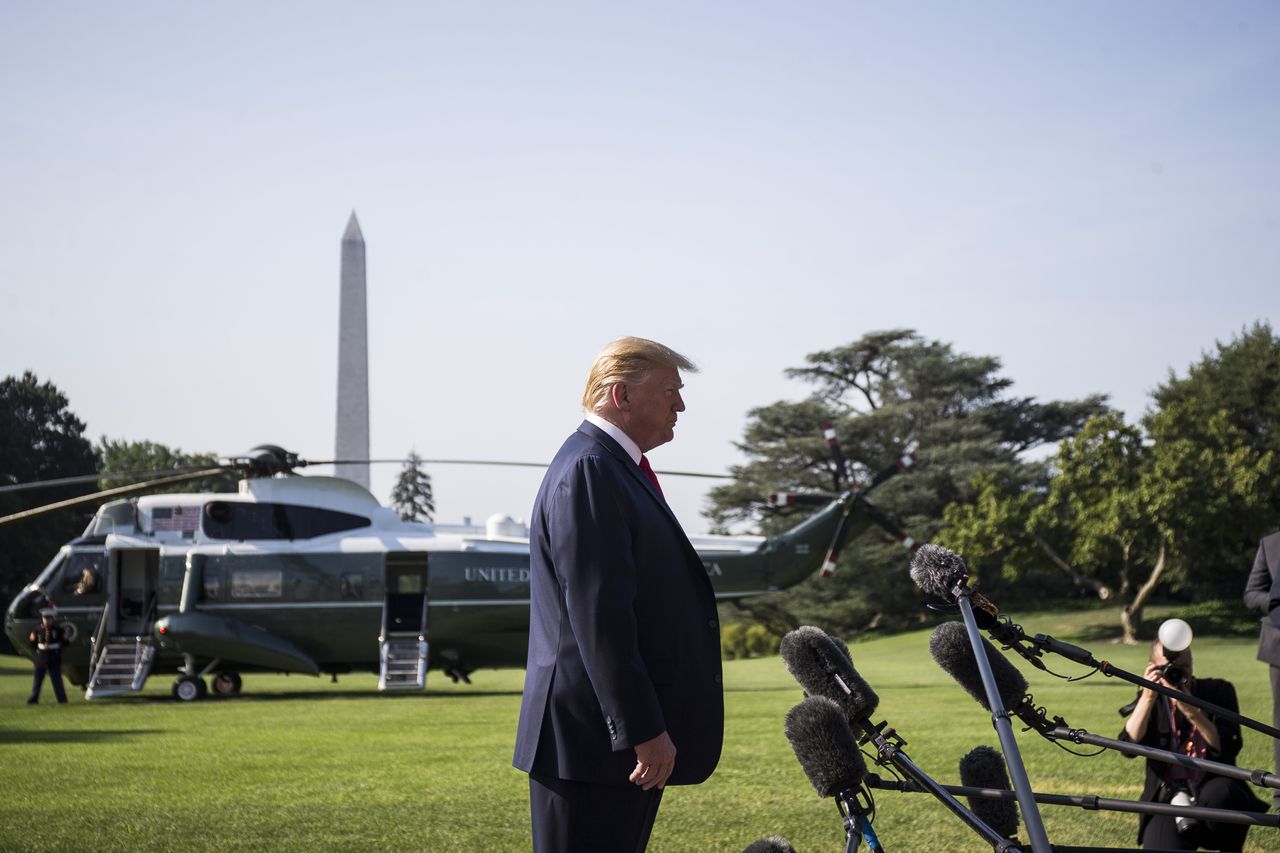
{"x": 411, "y": 495}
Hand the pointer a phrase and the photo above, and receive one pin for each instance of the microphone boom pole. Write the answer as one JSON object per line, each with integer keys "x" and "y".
{"x": 1084, "y": 657}
{"x": 1091, "y": 803}
{"x": 1004, "y": 729}
{"x": 1260, "y": 778}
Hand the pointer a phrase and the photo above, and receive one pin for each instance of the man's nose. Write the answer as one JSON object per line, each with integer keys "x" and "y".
{"x": 679, "y": 402}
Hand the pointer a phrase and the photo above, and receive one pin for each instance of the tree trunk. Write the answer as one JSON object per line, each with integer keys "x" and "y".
{"x": 1131, "y": 615}
{"x": 1100, "y": 589}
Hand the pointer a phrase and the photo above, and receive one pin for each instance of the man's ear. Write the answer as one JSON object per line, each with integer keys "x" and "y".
{"x": 619, "y": 397}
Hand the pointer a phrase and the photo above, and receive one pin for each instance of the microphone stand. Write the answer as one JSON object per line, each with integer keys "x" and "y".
{"x": 889, "y": 751}
{"x": 1091, "y": 803}
{"x": 1008, "y": 633}
{"x": 857, "y": 824}
{"x": 1004, "y": 729}
{"x": 1063, "y": 732}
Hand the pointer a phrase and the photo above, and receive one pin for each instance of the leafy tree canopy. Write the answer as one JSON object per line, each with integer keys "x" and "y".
{"x": 40, "y": 439}
{"x": 883, "y": 393}
{"x": 1180, "y": 501}
{"x": 120, "y": 462}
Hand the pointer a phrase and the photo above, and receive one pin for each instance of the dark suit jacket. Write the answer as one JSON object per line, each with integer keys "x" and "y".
{"x": 1261, "y": 591}
{"x": 623, "y": 637}
{"x": 1159, "y": 734}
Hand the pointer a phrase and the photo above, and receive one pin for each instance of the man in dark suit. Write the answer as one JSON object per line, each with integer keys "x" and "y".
{"x": 622, "y": 691}
{"x": 1261, "y": 594}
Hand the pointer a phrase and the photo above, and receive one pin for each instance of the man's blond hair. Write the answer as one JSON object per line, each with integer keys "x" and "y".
{"x": 628, "y": 360}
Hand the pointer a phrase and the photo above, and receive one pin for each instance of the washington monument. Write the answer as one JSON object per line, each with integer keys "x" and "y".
{"x": 352, "y": 434}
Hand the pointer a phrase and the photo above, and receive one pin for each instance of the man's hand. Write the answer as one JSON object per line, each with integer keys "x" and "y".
{"x": 655, "y": 759}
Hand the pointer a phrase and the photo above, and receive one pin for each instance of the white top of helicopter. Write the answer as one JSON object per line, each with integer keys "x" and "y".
{"x": 175, "y": 518}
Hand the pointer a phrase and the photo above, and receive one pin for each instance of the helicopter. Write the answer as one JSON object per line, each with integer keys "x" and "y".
{"x": 312, "y": 575}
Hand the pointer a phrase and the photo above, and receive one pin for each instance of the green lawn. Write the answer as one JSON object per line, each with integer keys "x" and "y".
{"x": 301, "y": 764}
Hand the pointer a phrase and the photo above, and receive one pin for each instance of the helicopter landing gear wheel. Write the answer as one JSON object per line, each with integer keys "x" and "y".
{"x": 226, "y": 683}
{"x": 189, "y": 688}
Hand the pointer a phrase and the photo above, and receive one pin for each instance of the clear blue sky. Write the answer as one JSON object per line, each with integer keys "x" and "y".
{"x": 1090, "y": 191}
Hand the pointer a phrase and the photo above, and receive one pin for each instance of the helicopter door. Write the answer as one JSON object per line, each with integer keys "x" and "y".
{"x": 123, "y": 649}
{"x": 137, "y": 573}
{"x": 403, "y": 642}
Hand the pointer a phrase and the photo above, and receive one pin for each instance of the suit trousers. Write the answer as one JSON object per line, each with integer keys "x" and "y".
{"x": 581, "y": 817}
{"x": 53, "y": 666}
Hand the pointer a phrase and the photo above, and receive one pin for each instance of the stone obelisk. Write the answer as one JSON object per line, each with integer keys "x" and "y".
{"x": 353, "y": 360}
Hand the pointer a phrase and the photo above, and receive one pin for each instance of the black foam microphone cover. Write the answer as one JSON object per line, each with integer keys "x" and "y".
{"x": 984, "y": 768}
{"x": 824, "y": 745}
{"x": 950, "y": 647}
{"x": 772, "y": 844}
{"x": 937, "y": 570}
{"x": 815, "y": 660}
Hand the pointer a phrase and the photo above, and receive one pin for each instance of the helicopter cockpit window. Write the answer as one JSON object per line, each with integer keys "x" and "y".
{"x": 251, "y": 521}
{"x": 82, "y": 574}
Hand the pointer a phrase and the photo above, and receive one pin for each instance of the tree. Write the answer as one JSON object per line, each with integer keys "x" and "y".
{"x": 40, "y": 439}
{"x": 411, "y": 495}
{"x": 1179, "y": 505}
{"x": 884, "y": 392}
{"x": 118, "y": 455}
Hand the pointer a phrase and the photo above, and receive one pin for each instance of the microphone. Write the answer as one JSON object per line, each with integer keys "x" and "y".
{"x": 824, "y": 745}
{"x": 984, "y": 768}
{"x": 939, "y": 572}
{"x": 823, "y": 667}
{"x": 949, "y": 646}
{"x": 772, "y": 844}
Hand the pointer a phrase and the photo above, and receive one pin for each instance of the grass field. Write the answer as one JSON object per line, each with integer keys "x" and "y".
{"x": 301, "y": 764}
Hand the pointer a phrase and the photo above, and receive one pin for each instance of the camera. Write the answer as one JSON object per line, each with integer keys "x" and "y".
{"x": 1174, "y": 674}
{"x": 1182, "y": 797}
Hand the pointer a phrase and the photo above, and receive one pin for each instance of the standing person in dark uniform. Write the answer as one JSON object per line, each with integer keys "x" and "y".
{"x": 1259, "y": 596}
{"x": 48, "y": 639}
{"x": 622, "y": 692}
{"x": 1185, "y": 729}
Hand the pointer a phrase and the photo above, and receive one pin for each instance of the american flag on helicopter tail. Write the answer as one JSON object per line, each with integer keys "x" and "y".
{"x": 183, "y": 519}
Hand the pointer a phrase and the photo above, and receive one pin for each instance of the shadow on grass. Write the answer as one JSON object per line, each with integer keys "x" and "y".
{"x": 10, "y": 736}
{"x": 289, "y": 696}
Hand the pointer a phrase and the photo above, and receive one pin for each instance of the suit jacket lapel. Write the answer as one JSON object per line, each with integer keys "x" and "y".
{"x": 606, "y": 441}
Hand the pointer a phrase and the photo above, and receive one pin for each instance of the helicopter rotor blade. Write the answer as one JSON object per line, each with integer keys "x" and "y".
{"x": 905, "y": 461}
{"x": 837, "y": 541}
{"x": 780, "y": 499}
{"x": 890, "y": 526}
{"x": 101, "y": 475}
{"x": 841, "y": 472}
{"x": 492, "y": 462}
{"x": 116, "y": 492}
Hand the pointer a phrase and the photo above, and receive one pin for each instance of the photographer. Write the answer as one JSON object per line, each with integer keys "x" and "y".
{"x": 1169, "y": 724}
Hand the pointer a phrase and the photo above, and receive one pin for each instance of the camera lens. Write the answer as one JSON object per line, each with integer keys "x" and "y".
{"x": 1174, "y": 674}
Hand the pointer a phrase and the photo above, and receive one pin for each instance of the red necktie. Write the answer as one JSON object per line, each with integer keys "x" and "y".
{"x": 648, "y": 472}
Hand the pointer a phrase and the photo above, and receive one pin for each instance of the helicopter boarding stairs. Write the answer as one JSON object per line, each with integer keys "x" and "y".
{"x": 404, "y": 662}
{"x": 120, "y": 664}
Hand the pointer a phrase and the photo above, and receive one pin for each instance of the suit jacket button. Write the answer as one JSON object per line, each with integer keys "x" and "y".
{"x": 717, "y": 678}
{"x": 711, "y": 623}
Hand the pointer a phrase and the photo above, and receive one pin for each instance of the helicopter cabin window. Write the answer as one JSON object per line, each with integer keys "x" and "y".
{"x": 257, "y": 583}
{"x": 212, "y": 587}
{"x": 255, "y": 521}
{"x": 351, "y": 585}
